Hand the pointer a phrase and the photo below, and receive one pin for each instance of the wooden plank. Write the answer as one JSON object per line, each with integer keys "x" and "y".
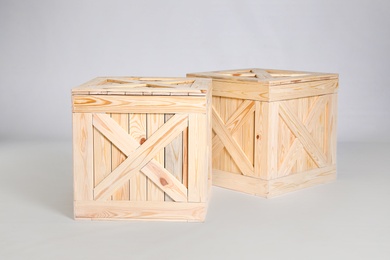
{"x": 217, "y": 147}
{"x": 332, "y": 131}
{"x": 261, "y": 140}
{"x": 101, "y": 157}
{"x": 246, "y": 184}
{"x": 82, "y": 156}
{"x": 154, "y": 122}
{"x": 174, "y": 157}
{"x": 261, "y": 74}
{"x": 230, "y": 105}
{"x": 239, "y": 77}
{"x": 140, "y": 210}
{"x": 243, "y": 90}
{"x": 140, "y": 157}
{"x": 138, "y": 183}
{"x": 139, "y": 104}
{"x": 155, "y": 171}
{"x": 185, "y": 158}
{"x": 302, "y": 134}
{"x": 198, "y": 163}
{"x": 301, "y": 180}
{"x": 117, "y": 157}
{"x": 300, "y": 90}
{"x": 303, "y": 112}
{"x": 273, "y": 132}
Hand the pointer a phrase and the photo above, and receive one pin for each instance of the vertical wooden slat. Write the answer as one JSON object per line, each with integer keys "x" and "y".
{"x": 231, "y": 107}
{"x": 225, "y": 159}
{"x": 197, "y": 152}
{"x": 137, "y": 130}
{"x": 83, "y": 156}
{"x": 118, "y": 157}
{"x": 185, "y": 157}
{"x": 101, "y": 157}
{"x": 273, "y": 132}
{"x": 261, "y": 137}
{"x": 332, "y": 121}
{"x": 154, "y": 122}
{"x": 303, "y": 111}
{"x": 217, "y": 158}
{"x": 174, "y": 157}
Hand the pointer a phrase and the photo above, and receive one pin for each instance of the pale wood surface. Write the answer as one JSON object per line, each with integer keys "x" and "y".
{"x": 138, "y": 104}
{"x": 139, "y": 210}
{"x": 140, "y": 157}
{"x": 82, "y": 156}
{"x": 154, "y": 122}
{"x": 275, "y": 187}
{"x": 292, "y": 129}
{"x": 117, "y": 157}
{"x": 270, "y": 85}
{"x": 101, "y": 157}
{"x": 198, "y": 162}
{"x": 137, "y": 129}
{"x": 140, "y": 162}
{"x": 174, "y": 157}
{"x": 144, "y": 86}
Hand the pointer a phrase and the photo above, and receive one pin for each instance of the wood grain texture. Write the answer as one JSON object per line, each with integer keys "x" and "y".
{"x": 141, "y": 156}
{"x": 154, "y": 122}
{"x": 117, "y": 157}
{"x": 140, "y": 210}
{"x": 174, "y": 157}
{"x": 303, "y": 135}
{"x": 198, "y": 163}
{"x": 138, "y": 183}
{"x": 121, "y": 148}
{"x": 83, "y": 156}
{"x": 231, "y": 145}
{"x": 138, "y": 104}
{"x": 275, "y": 187}
{"x": 301, "y": 180}
{"x": 291, "y": 132}
{"x": 160, "y": 176}
{"x": 246, "y": 184}
{"x": 261, "y": 139}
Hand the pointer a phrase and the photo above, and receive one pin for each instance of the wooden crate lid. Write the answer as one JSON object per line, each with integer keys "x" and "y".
{"x": 147, "y": 86}
{"x": 271, "y": 76}
{"x": 270, "y": 85}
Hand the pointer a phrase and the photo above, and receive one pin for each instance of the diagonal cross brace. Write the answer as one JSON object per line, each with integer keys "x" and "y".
{"x": 231, "y": 146}
{"x": 140, "y": 157}
{"x": 239, "y": 117}
{"x": 303, "y": 134}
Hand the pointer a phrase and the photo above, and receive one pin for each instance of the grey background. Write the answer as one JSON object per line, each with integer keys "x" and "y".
{"x": 48, "y": 47}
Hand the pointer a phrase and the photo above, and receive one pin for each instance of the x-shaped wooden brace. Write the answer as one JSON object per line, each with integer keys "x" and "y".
{"x": 224, "y": 136}
{"x": 302, "y": 130}
{"x": 140, "y": 157}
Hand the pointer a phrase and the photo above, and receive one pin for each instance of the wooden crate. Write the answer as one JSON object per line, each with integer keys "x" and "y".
{"x": 274, "y": 131}
{"x": 141, "y": 148}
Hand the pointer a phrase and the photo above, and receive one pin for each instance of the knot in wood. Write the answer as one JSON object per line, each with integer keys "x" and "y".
{"x": 257, "y": 136}
{"x": 163, "y": 182}
{"x": 143, "y": 139}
